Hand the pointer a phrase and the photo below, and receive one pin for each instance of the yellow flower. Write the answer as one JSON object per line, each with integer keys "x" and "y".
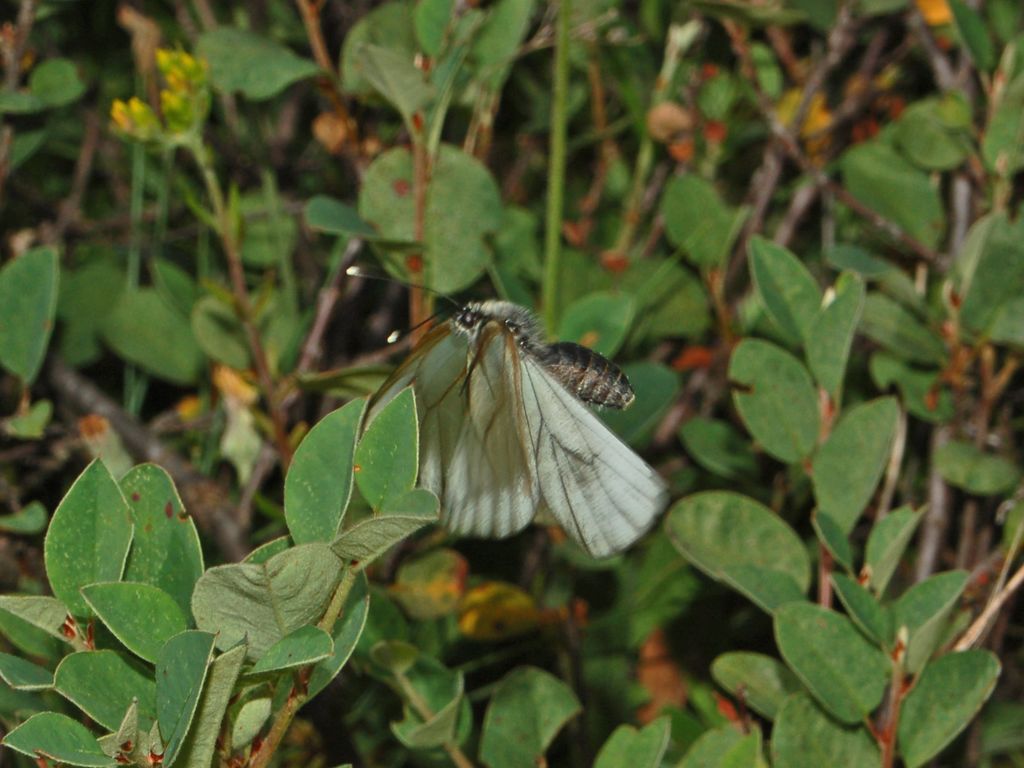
{"x": 135, "y": 118}
{"x": 935, "y": 12}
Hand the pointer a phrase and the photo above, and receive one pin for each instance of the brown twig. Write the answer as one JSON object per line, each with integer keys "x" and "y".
{"x": 936, "y": 518}
{"x": 13, "y": 41}
{"x": 205, "y": 499}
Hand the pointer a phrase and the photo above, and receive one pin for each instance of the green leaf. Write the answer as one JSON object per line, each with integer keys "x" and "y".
{"x": 830, "y": 335}
{"x": 881, "y": 179}
{"x": 256, "y": 66}
{"x": 790, "y": 294}
{"x": 319, "y": 481}
{"x": 141, "y": 616}
{"x": 735, "y": 539}
{"x": 55, "y": 83}
{"x": 431, "y": 19}
{"x": 180, "y": 674}
{"x": 528, "y": 708}
{"x": 30, "y": 519}
{"x": 886, "y": 544}
{"x": 719, "y": 448}
{"x": 971, "y": 28}
{"x": 805, "y": 737}
{"x": 863, "y": 608}
{"x": 201, "y": 741}
{"x": 1008, "y": 323}
{"x": 103, "y": 684}
{"x": 1002, "y": 145}
{"x": 497, "y": 39}
{"x": 260, "y": 603}
{"x": 45, "y": 613}
{"x": 326, "y": 214}
{"x": 345, "y": 635}
{"x": 697, "y": 220}
{"x": 854, "y": 258}
{"x": 966, "y": 466}
{"x": 249, "y": 721}
{"x": 924, "y": 610}
{"x": 368, "y": 539}
{"x": 922, "y": 392}
{"x": 833, "y": 537}
{"x": 29, "y": 425}
{"x": 145, "y": 330}
{"x": 395, "y": 76}
{"x": 219, "y": 333}
{"x": 264, "y": 552}
{"x": 759, "y": 680}
{"x": 599, "y": 320}
{"x": 637, "y": 748}
{"x": 849, "y": 465}
{"x": 945, "y": 699}
{"x": 838, "y": 666}
{"x": 31, "y": 640}
{"x": 990, "y": 269}
{"x": 28, "y": 305}
{"x": 88, "y": 538}
{"x": 58, "y": 738}
{"x": 387, "y": 456}
{"x": 23, "y": 675}
{"x": 896, "y": 329}
{"x": 165, "y": 552}
{"x": 302, "y": 647}
{"x": 463, "y": 211}
{"x": 776, "y": 399}
{"x": 442, "y": 690}
{"x": 725, "y": 747}
{"x": 389, "y": 25}
{"x": 927, "y": 140}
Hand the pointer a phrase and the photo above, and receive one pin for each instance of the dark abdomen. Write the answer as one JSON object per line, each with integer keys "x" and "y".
{"x": 588, "y": 375}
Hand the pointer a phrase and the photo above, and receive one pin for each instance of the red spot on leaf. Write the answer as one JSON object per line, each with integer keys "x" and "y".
{"x": 136, "y": 496}
{"x": 169, "y": 510}
{"x": 414, "y": 263}
{"x": 401, "y": 187}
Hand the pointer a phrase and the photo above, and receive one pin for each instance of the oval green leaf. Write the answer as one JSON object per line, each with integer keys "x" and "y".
{"x": 319, "y": 481}
{"x": 790, "y": 294}
{"x": 945, "y": 699}
{"x": 805, "y": 737}
{"x": 529, "y": 707}
{"x": 59, "y": 738}
{"x": 735, "y": 539}
{"x": 387, "y": 457}
{"x": 141, "y": 616}
{"x": 103, "y": 684}
{"x": 844, "y": 672}
{"x": 849, "y": 465}
{"x": 759, "y": 680}
{"x": 775, "y": 398}
{"x": 180, "y": 674}
{"x": 28, "y": 305}
{"x": 88, "y": 538}
{"x": 166, "y": 552}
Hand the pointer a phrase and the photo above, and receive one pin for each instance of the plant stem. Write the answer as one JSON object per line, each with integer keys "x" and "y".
{"x": 679, "y": 39}
{"x": 299, "y": 694}
{"x": 556, "y": 169}
{"x": 418, "y": 703}
{"x": 232, "y": 252}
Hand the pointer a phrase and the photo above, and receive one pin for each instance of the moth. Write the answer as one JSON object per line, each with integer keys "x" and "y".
{"x": 505, "y": 431}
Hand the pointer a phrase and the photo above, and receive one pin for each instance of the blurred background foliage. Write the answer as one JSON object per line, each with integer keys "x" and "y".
{"x": 185, "y": 185}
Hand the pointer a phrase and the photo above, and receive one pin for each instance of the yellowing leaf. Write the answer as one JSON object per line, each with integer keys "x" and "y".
{"x": 496, "y": 611}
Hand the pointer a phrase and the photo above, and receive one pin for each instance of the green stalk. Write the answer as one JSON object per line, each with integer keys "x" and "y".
{"x": 556, "y": 170}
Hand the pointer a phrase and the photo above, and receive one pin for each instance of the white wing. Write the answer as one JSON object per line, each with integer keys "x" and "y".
{"x": 599, "y": 490}
{"x": 489, "y": 488}
{"x": 472, "y": 451}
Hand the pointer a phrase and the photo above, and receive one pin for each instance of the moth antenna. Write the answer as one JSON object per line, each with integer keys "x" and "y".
{"x": 357, "y": 271}
{"x": 397, "y": 334}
